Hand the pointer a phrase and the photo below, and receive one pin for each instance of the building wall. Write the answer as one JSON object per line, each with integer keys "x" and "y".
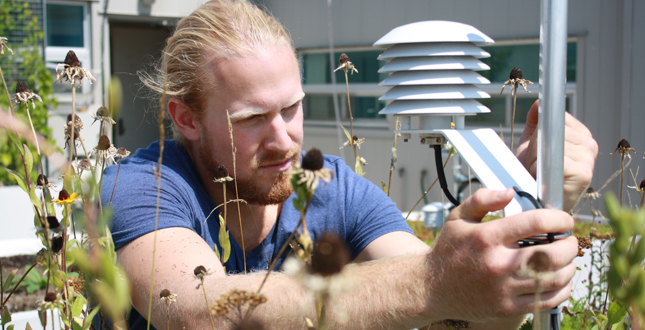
{"x": 610, "y": 41}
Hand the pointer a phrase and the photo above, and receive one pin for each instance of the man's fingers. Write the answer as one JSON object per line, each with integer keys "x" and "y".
{"x": 534, "y": 222}
{"x": 480, "y": 203}
{"x": 548, "y": 300}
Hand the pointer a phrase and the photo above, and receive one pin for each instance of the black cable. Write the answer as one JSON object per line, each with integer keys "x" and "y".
{"x": 442, "y": 176}
{"x": 555, "y": 324}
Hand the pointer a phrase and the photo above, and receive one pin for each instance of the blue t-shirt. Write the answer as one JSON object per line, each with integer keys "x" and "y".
{"x": 349, "y": 205}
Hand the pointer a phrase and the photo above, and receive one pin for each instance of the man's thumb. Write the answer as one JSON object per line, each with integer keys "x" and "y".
{"x": 480, "y": 203}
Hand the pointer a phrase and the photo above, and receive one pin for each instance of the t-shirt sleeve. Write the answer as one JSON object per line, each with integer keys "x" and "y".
{"x": 369, "y": 212}
{"x": 134, "y": 203}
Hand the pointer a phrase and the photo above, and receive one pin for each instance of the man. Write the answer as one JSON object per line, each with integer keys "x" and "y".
{"x": 230, "y": 58}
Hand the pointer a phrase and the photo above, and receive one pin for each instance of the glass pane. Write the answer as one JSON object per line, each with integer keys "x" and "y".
{"x": 318, "y": 107}
{"x": 64, "y": 25}
{"x": 322, "y": 107}
{"x": 317, "y": 69}
{"x": 526, "y": 57}
{"x": 497, "y": 115}
{"x": 522, "y": 109}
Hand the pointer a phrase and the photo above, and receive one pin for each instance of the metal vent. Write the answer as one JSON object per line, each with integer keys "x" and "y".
{"x": 433, "y": 75}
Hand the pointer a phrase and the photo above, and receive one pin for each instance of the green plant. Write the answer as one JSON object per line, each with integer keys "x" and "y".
{"x": 33, "y": 281}
{"x": 29, "y": 62}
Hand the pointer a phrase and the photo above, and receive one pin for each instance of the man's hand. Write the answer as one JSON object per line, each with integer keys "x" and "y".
{"x": 580, "y": 151}
{"x": 475, "y": 264}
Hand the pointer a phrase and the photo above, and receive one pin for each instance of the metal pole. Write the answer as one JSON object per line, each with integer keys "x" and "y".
{"x": 550, "y": 160}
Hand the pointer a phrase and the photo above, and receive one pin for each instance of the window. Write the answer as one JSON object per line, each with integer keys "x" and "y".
{"x": 526, "y": 57}
{"x": 318, "y": 104}
{"x": 67, "y": 28}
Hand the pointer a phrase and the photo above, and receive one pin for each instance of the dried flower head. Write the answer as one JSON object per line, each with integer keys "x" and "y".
{"x": 51, "y": 300}
{"x": 72, "y": 70}
{"x": 77, "y": 125}
{"x": 42, "y": 181}
{"x": 249, "y": 324}
{"x": 453, "y": 324}
{"x": 52, "y": 222}
{"x": 539, "y": 262}
{"x": 122, "y": 153}
{"x": 200, "y": 272}
{"x": 583, "y": 243}
{"x": 355, "y": 141}
{"x": 104, "y": 149}
{"x": 64, "y": 198}
{"x": 330, "y": 255}
{"x": 50, "y": 297}
{"x": 57, "y": 244}
{"x": 236, "y": 300}
{"x": 76, "y": 283}
{"x": 591, "y": 194}
{"x": 3, "y": 45}
{"x": 103, "y": 115}
{"x": 168, "y": 297}
{"x": 221, "y": 175}
{"x": 623, "y": 148}
{"x": 346, "y": 64}
{"x": 311, "y": 170}
{"x": 515, "y": 79}
{"x": 25, "y": 96}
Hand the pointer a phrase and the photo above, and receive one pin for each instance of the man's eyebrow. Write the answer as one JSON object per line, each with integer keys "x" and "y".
{"x": 253, "y": 111}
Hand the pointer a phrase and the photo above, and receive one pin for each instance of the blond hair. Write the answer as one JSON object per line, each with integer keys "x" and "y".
{"x": 219, "y": 29}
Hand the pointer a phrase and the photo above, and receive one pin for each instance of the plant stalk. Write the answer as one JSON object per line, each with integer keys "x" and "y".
{"x": 351, "y": 119}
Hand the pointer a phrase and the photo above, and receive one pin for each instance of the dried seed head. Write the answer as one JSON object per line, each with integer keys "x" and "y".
{"x": 50, "y": 297}
{"x": 590, "y": 190}
{"x": 222, "y": 172}
{"x": 72, "y": 60}
{"x": 623, "y": 144}
{"x": 22, "y": 87}
{"x": 164, "y": 293}
{"x": 57, "y": 244}
{"x": 330, "y": 255}
{"x": 516, "y": 73}
{"x": 200, "y": 271}
{"x": 313, "y": 160}
{"x": 343, "y": 58}
{"x": 84, "y": 164}
{"x": 539, "y": 262}
{"x": 42, "y": 180}
{"x": 642, "y": 185}
{"x": 104, "y": 143}
{"x": 103, "y": 112}
{"x": 63, "y": 195}
{"x": 53, "y": 222}
{"x": 77, "y": 120}
{"x": 355, "y": 138}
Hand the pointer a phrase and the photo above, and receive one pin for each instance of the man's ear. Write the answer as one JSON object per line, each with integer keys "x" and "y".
{"x": 184, "y": 117}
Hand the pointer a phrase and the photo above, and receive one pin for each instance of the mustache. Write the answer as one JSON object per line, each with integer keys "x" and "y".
{"x": 275, "y": 157}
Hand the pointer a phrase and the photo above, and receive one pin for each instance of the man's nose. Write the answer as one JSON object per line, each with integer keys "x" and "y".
{"x": 278, "y": 138}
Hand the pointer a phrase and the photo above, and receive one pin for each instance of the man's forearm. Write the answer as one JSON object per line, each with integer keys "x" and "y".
{"x": 385, "y": 294}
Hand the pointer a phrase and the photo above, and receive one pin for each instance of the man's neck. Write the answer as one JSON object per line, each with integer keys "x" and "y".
{"x": 248, "y": 223}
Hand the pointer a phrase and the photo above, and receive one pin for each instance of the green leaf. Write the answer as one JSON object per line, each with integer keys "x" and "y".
{"x": 616, "y": 313}
{"x": 224, "y": 239}
{"x": 75, "y": 325}
{"x": 28, "y": 327}
{"x": 6, "y": 316}
{"x": 10, "y": 327}
{"x": 358, "y": 167}
{"x": 19, "y": 179}
{"x": 77, "y": 308}
{"x": 8, "y": 280}
{"x": 385, "y": 188}
{"x": 35, "y": 200}
{"x": 90, "y": 317}
{"x": 349, "y": 136}
{"x": 29, "y": 158}
{"x": 15, "y": 141}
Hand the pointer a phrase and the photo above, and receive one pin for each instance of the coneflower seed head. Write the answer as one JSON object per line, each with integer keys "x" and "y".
{"x": 313, "y": 160}
{"x": 642, "y": 185}
{"x": 42, "y": 180}
{"x": 539, "y": 262}
{"x": 57, "y": 244}
{"x": 63, "y": 195}
{"x": 200, "y": 271}
{"x": 222, "y": 172}
{"x": 164, "y": 293}
{"x": 53, "y": 222}
{"x": 72, "y": 60}
{"x": 103, "y": 112}
{"x": 343, "y": 58}
{"x": 516, "y": 73}
{"x": 104, "y": 143}
{"x": 22, "y": 87}
{"x": 330, "y": 255}
{"x": 50, "y": 297}
{"x": 623, "y": 144}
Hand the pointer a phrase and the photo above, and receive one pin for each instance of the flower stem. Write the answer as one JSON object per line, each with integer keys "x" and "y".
{"x": 210, "y": 317}
{"x": 351, "y": 118}
{"x": 115, "y": 180}
{"x": 513, "y": 116}
{"x": 396, "y": 127}
{"x": 622, "y": 176}
{"x": 33, "y": 131}
{"x": 4, "y": 302}
{"x": 237, "y": 197}
{"x": 73, "y": 128}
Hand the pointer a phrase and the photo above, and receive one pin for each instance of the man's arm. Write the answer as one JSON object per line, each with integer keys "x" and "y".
{"x": 470, "y": 275}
